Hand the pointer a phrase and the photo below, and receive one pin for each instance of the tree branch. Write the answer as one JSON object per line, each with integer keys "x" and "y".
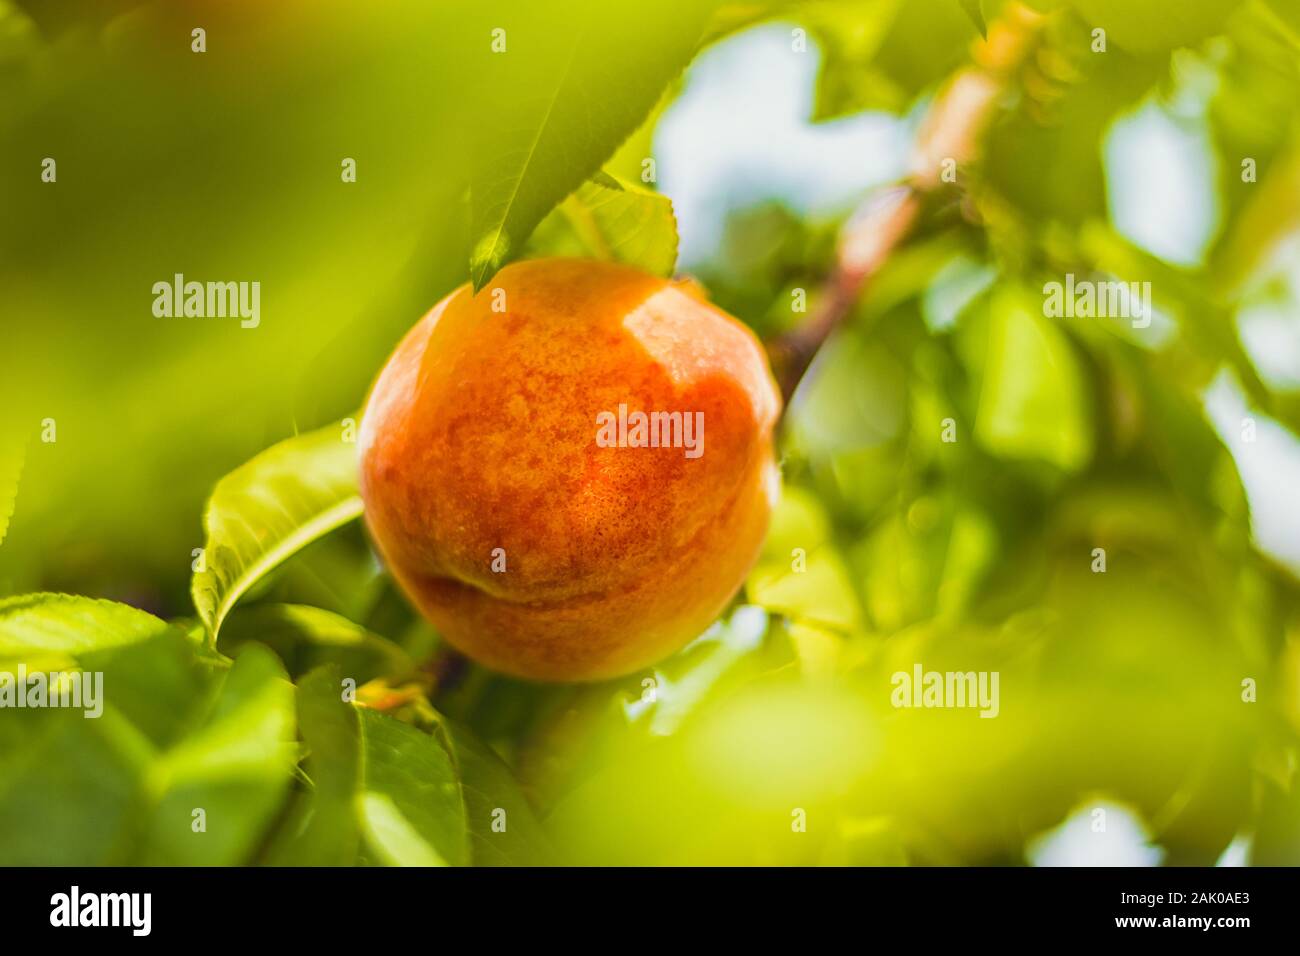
{"x": 952, "y": 132}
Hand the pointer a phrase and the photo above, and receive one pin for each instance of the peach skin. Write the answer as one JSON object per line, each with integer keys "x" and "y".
{"x": 571, "y": 473}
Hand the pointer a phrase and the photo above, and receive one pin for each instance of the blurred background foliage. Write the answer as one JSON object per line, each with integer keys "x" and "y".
{"x": 1173, "y": 448}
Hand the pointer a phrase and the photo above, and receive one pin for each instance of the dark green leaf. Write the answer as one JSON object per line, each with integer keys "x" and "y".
{"x": 324, "y": 829}
{"x": 503, "y": 830}
{"x": 410, "y": 804}
{"x": 306, "y": 637}
{"x": 972, "y": 8}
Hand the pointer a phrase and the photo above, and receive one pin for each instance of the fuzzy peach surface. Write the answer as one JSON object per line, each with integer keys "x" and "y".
{"x": 481, "y": 434}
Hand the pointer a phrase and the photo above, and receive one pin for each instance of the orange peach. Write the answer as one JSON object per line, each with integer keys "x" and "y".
{"x": 571, "y": 472}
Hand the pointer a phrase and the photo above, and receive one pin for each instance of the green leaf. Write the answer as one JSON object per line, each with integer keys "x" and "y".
{"x": 11, "y": 468}
{"x": 873, "y": 841}
{"x": 503, "y": 829}
{"x": 972, "y": 8}
{"x": 385, "y": 797}
{"x": 884, "y": 55}
{"x": 269, "y": 508}
{"x": 307, "y": 637}
{"x": 235, "y": 767}
{"x": 1287, "y": 19}
{"x": 67, "y": 788}
{"x": 1146, "y": 26}
{"x": 64, "y": 624}
{"x": 160, "y": 686}
{"x": 732, "y": 16}
{"x": 607, "y": 218}
{"x": 410, "y": 805}
{"x": 73, "y": 788}
{"x": 1066, "y": 184}
{"x": 1033, "y": 403}
{"x": 819, "y": 589}
{"x": 591, "y": 724}
{"x": 324, "y": 829}
{"x": 566, "y": 91}
{"x": 1277, "y": 842}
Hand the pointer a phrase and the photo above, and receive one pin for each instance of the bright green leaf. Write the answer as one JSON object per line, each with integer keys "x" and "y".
{"x": 1033, "y": 403}
{"x": 565, "y": 92}
{"x": 1155, "y": 25}
{"x": 391, "y": 836}
{"x": 42, "y": 624}
{"x": 800, "y": 572}
{"x": 609, "y": 219}
{"x": 267, "y": 509}
{"x": 11, "y": 468}
{"x": 735, "y": 15}
{"x": 1287, "y": 19}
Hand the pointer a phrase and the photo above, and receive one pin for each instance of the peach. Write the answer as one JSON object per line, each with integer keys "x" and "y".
{"x": 530, "y": 488}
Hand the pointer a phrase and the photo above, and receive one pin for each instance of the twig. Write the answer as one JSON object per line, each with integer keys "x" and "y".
{"x": 952, "y": 133}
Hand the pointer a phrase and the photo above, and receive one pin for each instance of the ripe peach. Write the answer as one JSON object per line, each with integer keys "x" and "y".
{"x": 498, "y": 492}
